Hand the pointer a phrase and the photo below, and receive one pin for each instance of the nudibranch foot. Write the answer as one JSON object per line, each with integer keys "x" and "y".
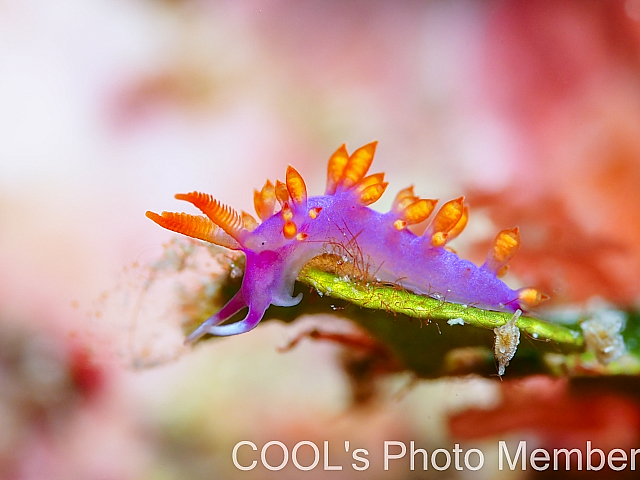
{"x": 286, "y": 300}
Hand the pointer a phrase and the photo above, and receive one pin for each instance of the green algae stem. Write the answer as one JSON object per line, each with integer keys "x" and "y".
{"x": 396, "y": 300}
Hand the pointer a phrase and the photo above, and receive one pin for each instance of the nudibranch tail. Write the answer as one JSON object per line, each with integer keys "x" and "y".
{"x": 530, "y": 297}
{"x": 195, "y": 226}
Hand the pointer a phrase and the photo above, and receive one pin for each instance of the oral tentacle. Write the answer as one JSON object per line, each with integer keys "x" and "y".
{"x": 232, "y": 307}
{"x": 243, "y": 326}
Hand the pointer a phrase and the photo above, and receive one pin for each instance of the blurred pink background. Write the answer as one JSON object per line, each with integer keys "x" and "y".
{"x": 108, "y": 108}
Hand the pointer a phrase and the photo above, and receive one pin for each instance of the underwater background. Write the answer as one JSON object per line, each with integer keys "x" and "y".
{"x": 109, "y": 107}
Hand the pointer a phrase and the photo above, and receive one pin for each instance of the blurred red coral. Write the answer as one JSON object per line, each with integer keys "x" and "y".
{"x": 558, "y": 254}
{"x": 87, "y": 376}
{"x": 542, "y": 53}
{"x": 44, "y": 383}
{"x": 567, "y": 75}
{"x": 558, "y": 416}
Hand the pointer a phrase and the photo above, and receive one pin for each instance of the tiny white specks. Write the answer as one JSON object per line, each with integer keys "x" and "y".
{"x": 455, "y": 321}
{"x": 236, "y": 272}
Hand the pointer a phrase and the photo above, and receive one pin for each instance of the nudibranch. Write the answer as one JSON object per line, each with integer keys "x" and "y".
{"x": 305, "y": 227}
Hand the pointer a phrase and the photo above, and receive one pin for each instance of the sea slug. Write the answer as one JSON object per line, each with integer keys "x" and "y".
{"x": 304, "y": 227}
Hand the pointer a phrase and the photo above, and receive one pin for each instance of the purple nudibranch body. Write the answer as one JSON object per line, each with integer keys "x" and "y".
{"x": 303, "y": 228}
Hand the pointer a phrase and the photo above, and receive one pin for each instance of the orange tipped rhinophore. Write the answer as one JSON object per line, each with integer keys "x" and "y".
{"x": 195, "y": 226}
{"x": 222, "y": 215}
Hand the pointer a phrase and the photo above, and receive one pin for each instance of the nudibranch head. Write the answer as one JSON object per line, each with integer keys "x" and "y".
{"x": 272, "y": 263}
{"x": 226, "y": 227}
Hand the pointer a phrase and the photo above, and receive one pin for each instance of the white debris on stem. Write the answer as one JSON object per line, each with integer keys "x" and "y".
{"x": 506, "y": 342}
{"x": 602, "y": 334}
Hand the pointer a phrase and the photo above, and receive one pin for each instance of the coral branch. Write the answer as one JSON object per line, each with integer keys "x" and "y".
{"x": 391, "y": 299}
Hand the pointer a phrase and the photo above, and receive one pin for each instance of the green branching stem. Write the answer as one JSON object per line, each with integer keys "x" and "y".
{"x": 394, "y": 299}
